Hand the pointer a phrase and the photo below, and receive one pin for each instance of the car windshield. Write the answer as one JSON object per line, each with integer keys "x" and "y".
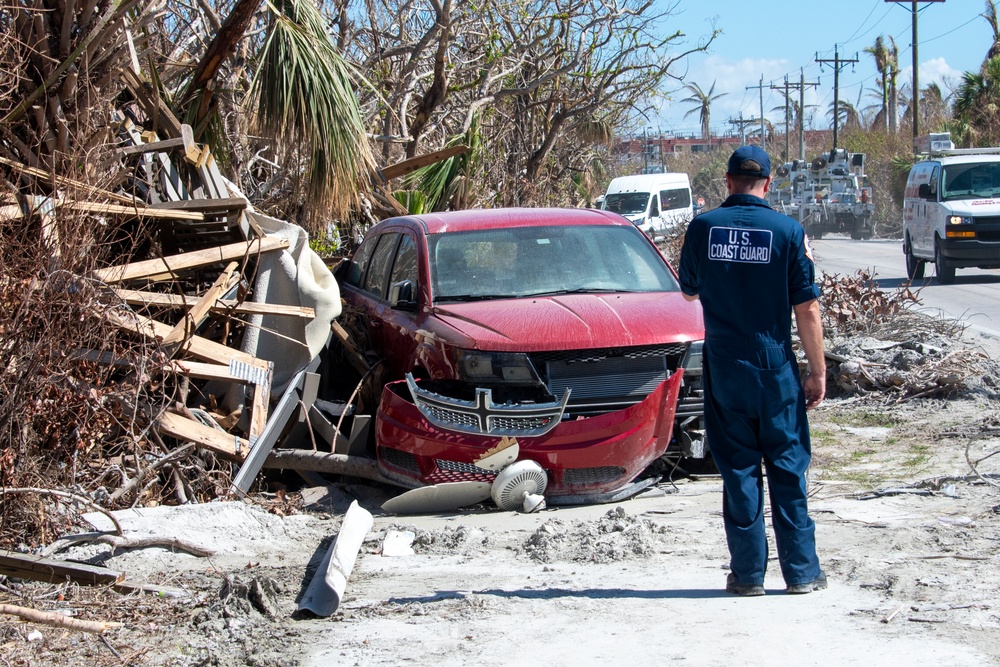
{"x": 534, "y": 261}
{"x": 626, "y": 203}
{"x": 971, "y": 181}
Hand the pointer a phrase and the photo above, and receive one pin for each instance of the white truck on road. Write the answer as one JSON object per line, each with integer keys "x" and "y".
{"x": 951, "y": 209}
{"x": 654, "y": 203}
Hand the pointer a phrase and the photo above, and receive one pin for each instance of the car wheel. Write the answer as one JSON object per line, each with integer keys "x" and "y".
{"x": 945, "y": 271}
{"x": 914, "y": 266}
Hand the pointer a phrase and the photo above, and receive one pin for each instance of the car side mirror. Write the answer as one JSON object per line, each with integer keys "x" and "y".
{"x": 924, "y": 191}
{"x": 401, "y": 296}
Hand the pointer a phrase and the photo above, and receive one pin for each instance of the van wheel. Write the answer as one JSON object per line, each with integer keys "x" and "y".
{"x": 914, "y": 266}
{"x": 945, "y": 271}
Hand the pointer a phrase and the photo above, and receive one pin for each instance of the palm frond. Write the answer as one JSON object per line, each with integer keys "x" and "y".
{"x": 303, "y": 96}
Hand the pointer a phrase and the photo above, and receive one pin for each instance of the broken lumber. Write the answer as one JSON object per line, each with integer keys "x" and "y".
{"x": 414, "y": 163}
{"x": 38, "y": 568}
{"x": 168, "y": 267}
{"x": 199, "y": 311}
{"x": 220, "y": 442}
{"x": 57, "y": 619}
{"x": 145, "y": 298}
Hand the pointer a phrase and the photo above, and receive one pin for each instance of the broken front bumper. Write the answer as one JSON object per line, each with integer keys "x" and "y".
{"x": 587, "y": 455}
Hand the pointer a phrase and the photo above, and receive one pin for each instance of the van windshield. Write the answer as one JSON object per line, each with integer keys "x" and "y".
{"x": 970, "y": 181}
{"x": 626, "y": 203}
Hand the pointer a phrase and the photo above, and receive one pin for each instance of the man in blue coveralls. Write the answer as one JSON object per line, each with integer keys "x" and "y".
{"x": 752, "y": 267}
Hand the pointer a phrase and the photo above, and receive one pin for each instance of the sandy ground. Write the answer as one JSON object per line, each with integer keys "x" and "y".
{"x": 912, "y": 567}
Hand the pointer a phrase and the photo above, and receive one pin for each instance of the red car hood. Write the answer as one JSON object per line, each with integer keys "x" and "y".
{"x": 576, "y": 321}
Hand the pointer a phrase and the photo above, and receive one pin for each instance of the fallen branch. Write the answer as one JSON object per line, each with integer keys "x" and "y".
{"x": 58, "y": 620}
{"x": 117, "y": 542}
{"x": 64, "y": 494}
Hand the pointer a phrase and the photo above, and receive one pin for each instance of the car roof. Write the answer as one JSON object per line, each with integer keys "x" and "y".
{"x": 946, "y": 160}
{"x": 503, "y": 218}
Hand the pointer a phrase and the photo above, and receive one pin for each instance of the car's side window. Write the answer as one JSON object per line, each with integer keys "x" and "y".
{"x": 378, "y": 272}
{"x": 359, "y": 262}
{"x": 405, "y": 267}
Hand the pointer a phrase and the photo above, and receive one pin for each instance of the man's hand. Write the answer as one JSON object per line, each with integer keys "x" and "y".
{"x": 815, "y": 389}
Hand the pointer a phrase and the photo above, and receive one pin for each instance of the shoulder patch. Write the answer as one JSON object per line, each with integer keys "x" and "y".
{"x": 809, "y": 250}
{"x": 735, "y": 244}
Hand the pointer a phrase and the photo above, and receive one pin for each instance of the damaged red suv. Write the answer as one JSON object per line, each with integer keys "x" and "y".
{"x": 563, "y": 328}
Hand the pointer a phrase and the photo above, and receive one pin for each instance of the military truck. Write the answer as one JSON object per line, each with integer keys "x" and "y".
{"x": 829, "y": 195}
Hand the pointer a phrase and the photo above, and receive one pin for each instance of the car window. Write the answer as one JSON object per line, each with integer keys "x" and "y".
{"x": 378, "y": 271}
{"x": 674, "y": 199}
{"x": 510, "y": 263}
{"x": 405, "y": 266}
{"x": 359, "y": 262}
{"x": 971, "y": 181}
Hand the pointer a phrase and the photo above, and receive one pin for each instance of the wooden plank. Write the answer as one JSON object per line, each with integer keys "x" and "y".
{"x": 206, "y": 205}
{"x": 199, "y": 311}
{"x": 196, "y": 346}
{"x": 152, "y": 103}
{"x": 259, "y": 406}
{"x": 37, "y": 568}
{"x": 145, "y": 298}
{"x": 189, "y": 260}
{"x": 63, "y": 182}
{"x": 220, "y": 442}
{"x": 414, "y": 163}
{"x": 130, "y": 211}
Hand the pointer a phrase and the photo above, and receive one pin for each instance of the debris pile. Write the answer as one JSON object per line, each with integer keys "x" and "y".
{"x": 878, "y": 343}
{"x": 616, "y": 536}
{"x": 185, "y": 362}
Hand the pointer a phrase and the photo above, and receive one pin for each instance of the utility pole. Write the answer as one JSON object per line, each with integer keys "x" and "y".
{"x": 741, "y": 123}
{"x": 916, "y": 78}
{"x": 838, "y": 62}
{"x": 760, "y": 87}
{"x": 801, "y": 86}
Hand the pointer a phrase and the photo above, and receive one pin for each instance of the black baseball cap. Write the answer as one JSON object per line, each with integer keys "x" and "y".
{"x": 749, "y": 161}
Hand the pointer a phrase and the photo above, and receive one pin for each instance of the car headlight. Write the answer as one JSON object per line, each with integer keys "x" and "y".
{"x": 959, "y": 220}
{"x": 691, "y": 363}
{"x": 490, "y": 367}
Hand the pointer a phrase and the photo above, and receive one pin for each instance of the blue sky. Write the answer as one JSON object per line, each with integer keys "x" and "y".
{"x": 775, "y": 38}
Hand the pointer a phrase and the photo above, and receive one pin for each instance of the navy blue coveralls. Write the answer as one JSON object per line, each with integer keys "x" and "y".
{"x": 749, "y": 265}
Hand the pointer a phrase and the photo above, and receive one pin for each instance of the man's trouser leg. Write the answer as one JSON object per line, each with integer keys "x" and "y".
{"x": 732, "y": 439}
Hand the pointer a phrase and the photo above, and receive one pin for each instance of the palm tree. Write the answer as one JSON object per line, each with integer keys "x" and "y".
{"x": 977, "y": 105}
{"x": 881, "y": 56}
{"x": 703, "y": 103}
{"x": 847, "y": 115}
{"x": 991, "y": 17}
{"x": 892, "y": 64}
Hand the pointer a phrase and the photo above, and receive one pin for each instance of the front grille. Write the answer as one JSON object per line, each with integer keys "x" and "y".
{"x": 483, "y": 416}
{"x": 456, "y": 471}
{"x": 580, "y": 476}
{"x": 991, "y": 236}
{"x": 577, "y": 356}
{"x": 987, "y": 220}
{"x": 399, "y": 459}
{"x": 453, "y": 418}
{"x": 608, "y": 378}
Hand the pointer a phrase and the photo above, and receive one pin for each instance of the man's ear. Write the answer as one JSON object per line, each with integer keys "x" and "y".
{"x": 767, "y": 184}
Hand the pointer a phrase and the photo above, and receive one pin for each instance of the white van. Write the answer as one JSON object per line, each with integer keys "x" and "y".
{"x": 951, "y": 212}
{"x": 653, "y": 202}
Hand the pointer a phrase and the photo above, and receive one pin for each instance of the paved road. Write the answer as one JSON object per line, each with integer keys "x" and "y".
{"x": 974, "y": 297}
